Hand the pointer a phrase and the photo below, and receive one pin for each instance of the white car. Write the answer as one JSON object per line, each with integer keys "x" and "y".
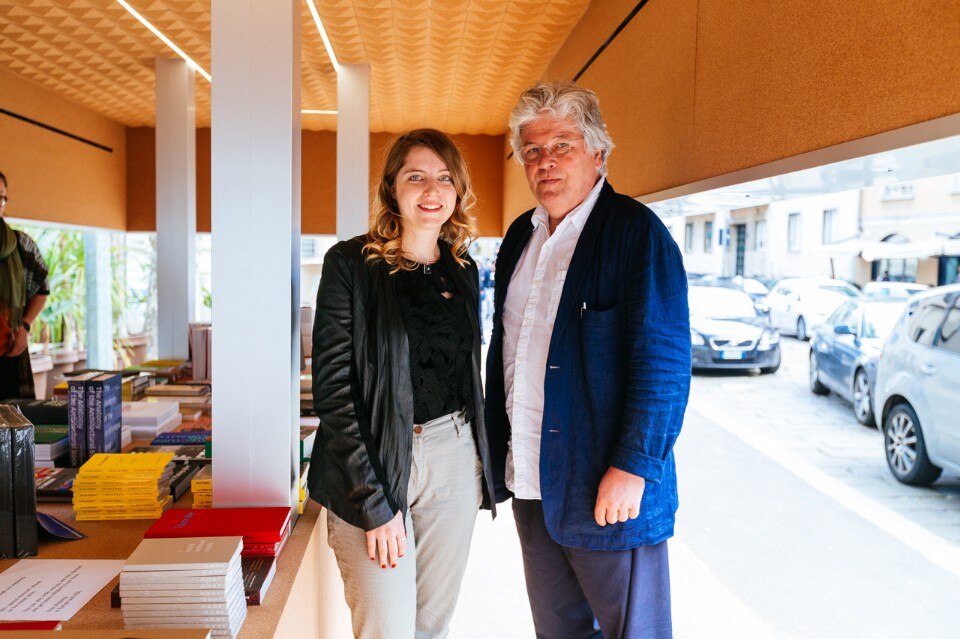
{"x": 916, "y": 398}
{"x": 798, "y": 305}
{"x": 892, "y": 290}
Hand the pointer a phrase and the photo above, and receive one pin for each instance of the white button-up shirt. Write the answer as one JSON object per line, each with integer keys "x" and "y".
{"x": 528, "y": 316}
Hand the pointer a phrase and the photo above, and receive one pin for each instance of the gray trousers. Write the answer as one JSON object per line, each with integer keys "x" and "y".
{"x": 417, "y": 598}
{"x": 579, "y": 594}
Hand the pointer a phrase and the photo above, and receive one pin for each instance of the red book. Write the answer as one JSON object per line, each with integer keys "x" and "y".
{"x": 30, "y": 625}
{"x": 255, "y": 525}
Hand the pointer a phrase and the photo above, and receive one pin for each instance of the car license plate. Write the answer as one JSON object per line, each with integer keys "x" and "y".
{"x": 732, "y": 354}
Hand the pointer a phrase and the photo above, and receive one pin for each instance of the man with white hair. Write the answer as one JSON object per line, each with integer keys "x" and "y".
{"x": 587, "y": 379}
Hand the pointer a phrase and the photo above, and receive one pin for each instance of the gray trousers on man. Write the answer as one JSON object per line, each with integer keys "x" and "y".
{"x": 417, "y": 598}
{"x": 573, "y": 591}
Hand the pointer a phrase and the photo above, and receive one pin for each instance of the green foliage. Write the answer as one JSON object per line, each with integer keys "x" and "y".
{"x": 66, "y": 307}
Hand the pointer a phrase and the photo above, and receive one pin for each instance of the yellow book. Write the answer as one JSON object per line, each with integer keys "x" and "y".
{"x": 127, "y": 465}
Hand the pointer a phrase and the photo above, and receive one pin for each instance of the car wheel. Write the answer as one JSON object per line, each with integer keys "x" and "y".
{"x": 862, "y": 407}
{"x": 905, "y": 449}
{"x": 769, "y": 370}
{"x": 801, "y": 329}
{"x": 816, "y": 387}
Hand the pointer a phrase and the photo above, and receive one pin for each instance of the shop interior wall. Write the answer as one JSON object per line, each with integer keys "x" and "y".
{"x": 318, "y": 178}
{"x": 694, "y": 89}
{"x": 54, "y": 178}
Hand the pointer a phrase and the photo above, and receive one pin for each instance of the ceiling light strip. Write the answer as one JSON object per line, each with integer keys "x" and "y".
{"x": 323, "y": 33}
{"x": 167, "y": 40}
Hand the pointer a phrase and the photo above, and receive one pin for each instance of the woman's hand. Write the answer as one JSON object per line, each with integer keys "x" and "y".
{"x": 389, "y": 541}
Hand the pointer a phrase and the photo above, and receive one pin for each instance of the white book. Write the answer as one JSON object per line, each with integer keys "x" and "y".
{"x": 185, "y": 554}
{"x": 148, "y": 413}
{"x": 177, "y": 590}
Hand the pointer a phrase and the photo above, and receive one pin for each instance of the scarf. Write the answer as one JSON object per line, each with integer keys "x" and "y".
{"x": 13, "y": 283}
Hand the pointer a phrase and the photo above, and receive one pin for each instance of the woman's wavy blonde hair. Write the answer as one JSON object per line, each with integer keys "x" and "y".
{"x": 383, "y": 239}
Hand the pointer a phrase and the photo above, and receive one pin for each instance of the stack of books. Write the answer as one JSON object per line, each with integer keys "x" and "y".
{"x": 184, "y": 583}
{"x": 193, "y": 398}
{"x": 201, "y": 336}
{"x": 148, "y": 419}
{"x": 54, "y": 484}
{"x": 94, "y": 415}
{"x": 18, "y": 501}
{"x": 264, "y": 530}
{"x": 49, "y": 417}
{"x": 169, "y": 370}
{"x": 123, "y": 486}
{"x": 134, "y": 386}
{"x": 202, "y": 487}
{"x": 183, "y": 436}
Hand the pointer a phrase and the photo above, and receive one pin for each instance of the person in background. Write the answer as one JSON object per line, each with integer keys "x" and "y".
{"x": 401, "y": 460}
{"x": 23, "y": 293}
{"x": 587, "y": 380}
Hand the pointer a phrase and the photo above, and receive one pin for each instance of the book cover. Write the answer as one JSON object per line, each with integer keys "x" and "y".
{"x": 148, "y": 413}
{"x": 254, "y": 525}
{"x": 185, "y": 553}
{"x": 104, "y": 405}
{"x": 184, "y": 390}
{"x": 18, "y": 457}
{"x": 77, "y": 417}
{"x": 8, "y": 542}
{"x": 258, "y": 574}
{"x": 183, "y": 474}
{"x": 50, "y": 445}
{"x": 198, "y": 437}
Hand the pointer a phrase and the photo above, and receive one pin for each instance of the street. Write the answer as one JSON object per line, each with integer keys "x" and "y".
{"x": 790, "y": 525}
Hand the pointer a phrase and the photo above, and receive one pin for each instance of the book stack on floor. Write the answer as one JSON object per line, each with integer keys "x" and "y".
{"x": 184, "y": 583}
{"x": 123, "y": 486}
{"x": 51, "y": 435}
{"x": 94, "y": 415}
{"x": 18, "y": 501}
{"x": 191, "y": 397}
{"x": 264, "y": 530}
{"x": 202, "y": 487}
{"x": 201, "y": 335}
{"x": 148, "y": 419}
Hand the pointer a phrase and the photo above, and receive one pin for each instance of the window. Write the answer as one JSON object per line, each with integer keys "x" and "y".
{"x": 708, "y": 236}
{"x": 793, "y": 232}
{"x": 925, "y": 320}
{"x": 688, "y": 238}
{"x": 760, "y": 235}
{"x": 829, "y": 226}
{"x": 950, "y": 334}
{"x": 902, "y": 191}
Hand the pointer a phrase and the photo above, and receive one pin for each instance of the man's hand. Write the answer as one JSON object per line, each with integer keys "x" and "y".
{"x": 19, "y": 342}
{"x": 389, "y": 541}
{"x": 618, "y": 498}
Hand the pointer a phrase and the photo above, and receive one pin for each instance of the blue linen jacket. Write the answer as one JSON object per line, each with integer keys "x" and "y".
{"x": 617, "y": 377}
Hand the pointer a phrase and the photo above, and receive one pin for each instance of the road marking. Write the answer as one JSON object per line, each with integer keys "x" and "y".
{"x": 935, "y": 548}
{"x": 702, "y": 603}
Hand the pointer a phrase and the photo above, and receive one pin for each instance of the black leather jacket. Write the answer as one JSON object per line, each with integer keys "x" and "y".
{"x": 362, "y": 389}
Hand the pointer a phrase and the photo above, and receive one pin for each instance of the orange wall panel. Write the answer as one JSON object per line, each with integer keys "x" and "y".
{"x": 54, "y": 178}
{"x": 318, "y": 182}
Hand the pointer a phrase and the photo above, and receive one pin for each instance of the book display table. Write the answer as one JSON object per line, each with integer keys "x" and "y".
{"x": 284, "y": 604}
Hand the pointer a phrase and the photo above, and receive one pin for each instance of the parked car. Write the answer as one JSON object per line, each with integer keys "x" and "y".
{"x": 727, "y": 332}
{"x": 892, "y": 290}
{"x": 798, "y": 305}
{"x": 916, "y": 395}
{"x": 844, "y": 352}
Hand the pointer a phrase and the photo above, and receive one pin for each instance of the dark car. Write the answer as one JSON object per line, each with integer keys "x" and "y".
{"x": 727, "y": 331}
{"x": 845, "y": 350}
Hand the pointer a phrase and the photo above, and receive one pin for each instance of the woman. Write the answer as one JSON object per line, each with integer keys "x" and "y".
{"x": 401, "y": 462}
{"x": 23, "y": 292}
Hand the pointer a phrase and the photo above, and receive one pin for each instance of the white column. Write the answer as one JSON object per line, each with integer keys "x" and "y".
{"x": 353, "y": 149}
{"x": 99, "y": 280}
{"x": 176, "y": 143}
{"x": 255, "y": 197}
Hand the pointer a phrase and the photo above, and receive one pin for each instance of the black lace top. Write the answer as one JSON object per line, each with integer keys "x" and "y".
{"x": 441, "y": 341}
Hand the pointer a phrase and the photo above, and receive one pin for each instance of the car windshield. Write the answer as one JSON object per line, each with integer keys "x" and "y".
{"x": 849, "y": 291}
{"x": 879, "y": 319}
{"x": 720, "y": 303}
{"x": 893, "y": 292}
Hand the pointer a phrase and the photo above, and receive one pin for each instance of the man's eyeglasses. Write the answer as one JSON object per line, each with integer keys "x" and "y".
{"x": 531, "y": 154}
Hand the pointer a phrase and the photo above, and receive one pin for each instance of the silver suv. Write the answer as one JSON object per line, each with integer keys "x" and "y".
{"x": 917, "y": 395}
